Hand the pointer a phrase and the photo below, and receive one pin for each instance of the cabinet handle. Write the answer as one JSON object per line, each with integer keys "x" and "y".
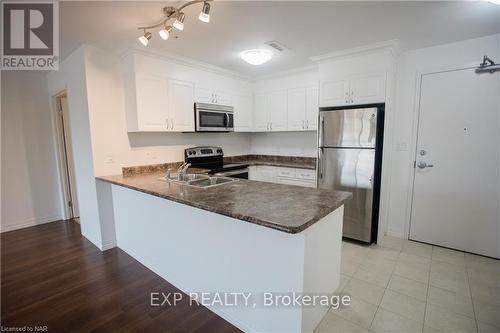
{"x": 302, "y": 124}
{"x": 346, "y": 97}
{"x": 352, "y": 97}
{"x": 271, "y": 126}
{"x": 216, "y": 99}
{"x": 307, "y": 123}
{"x": 172, "y": 123}
{"x": 167, "y": 123}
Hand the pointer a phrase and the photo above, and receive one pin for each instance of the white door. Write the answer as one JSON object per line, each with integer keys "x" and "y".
{"x": 181, "y": 105}
{"x": 296, "y": 109}
{"x": 278, "y": 110}
{"x": 368, "y": 89}
{"x": 312, "y": 108}
{"x": 456, "y": 197}
{"x": 334, "y": 93}
{"x": 261, "y": 113}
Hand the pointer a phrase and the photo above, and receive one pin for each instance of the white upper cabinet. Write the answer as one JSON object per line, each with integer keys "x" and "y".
{"x": 303, "y": 108}
{"x": 243, "y": 112}
{"x": 312, "y": 108}
{"x": 270, "y": 111}
{"x": 368, "y": 89}
{"x": 335, "y": 93}
{"x": 152, "y": 99}
{"x": 363, "y": 89}
{"x": 297, "y": 104}
{"x": 278, "y": 110}
{"x": 213, "y": 96}
{"x": 181, "y": 105}
{"x": 261, "y": 112}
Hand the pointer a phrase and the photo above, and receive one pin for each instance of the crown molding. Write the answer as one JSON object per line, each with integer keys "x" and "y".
{"x": 178, "y": 59}
{"x": 293, "y": 71}
{"x": 390, "y": 45}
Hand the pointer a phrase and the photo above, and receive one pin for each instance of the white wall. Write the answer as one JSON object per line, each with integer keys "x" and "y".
{"x": 468, "y": 53}
{"x": 71, "y": 77}
{"x": 30, "y": 184}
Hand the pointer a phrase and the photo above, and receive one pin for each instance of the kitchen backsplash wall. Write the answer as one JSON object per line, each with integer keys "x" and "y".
{"x": 284, "y": 143}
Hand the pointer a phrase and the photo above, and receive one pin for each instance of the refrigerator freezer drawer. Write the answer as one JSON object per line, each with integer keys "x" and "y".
{"x": 351, "y": 170}
{"x": 348, "y": 128}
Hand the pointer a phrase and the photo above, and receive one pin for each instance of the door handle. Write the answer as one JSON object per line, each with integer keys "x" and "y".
{"x": 423, "y": 165}
{"x": 320, "y": 167}
{"x": 321, "y": 130}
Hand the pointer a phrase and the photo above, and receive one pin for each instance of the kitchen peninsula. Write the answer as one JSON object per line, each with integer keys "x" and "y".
{"x": 243, "y": 236}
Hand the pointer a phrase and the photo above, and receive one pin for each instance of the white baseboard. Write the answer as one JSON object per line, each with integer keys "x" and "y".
{"x": 397, "y": 234}
{"x": 10, "y": 226}
{"x": 108, "y": 245}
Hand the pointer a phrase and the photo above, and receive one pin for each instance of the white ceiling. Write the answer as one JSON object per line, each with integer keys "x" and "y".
{"x": 307, "y": 28}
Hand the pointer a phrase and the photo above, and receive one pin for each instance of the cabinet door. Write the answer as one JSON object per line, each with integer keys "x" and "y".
{"x": 368, "y": 89}
{"x": 278, "y": 110}
{"x": 243, "y": 116}
{"x": 296, "y": 109}
{"x": 204, "y": 95}
{"x": 223, "y": 98}
{"x": 312, "y": 108}
{"x": 151, "y": 103}
{"x": 261, "y": 112}
{"x": 263, "y": 174}
{"x": 334, "y": 93}
{"x": 181, "y": 105}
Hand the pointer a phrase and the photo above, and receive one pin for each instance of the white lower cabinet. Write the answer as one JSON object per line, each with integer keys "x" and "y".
{"x": 281, "y": 175}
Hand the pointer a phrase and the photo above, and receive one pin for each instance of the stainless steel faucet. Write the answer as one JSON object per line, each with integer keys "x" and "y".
{"x": 181, "y": 171}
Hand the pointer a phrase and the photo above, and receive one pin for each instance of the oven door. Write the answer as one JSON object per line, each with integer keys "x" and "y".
{"x": 214, "y": 121}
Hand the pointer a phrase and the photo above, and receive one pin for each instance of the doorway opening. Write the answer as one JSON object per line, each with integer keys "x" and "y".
{"x": 65, "y": 157}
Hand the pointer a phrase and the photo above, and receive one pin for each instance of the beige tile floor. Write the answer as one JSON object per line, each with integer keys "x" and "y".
{"x": 404, "y": 287}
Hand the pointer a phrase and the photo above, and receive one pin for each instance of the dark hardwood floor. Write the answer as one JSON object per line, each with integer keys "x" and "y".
{"x": 51, "y": 275}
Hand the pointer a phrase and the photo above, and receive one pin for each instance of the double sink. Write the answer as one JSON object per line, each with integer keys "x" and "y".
{"x": 200, "y": 180}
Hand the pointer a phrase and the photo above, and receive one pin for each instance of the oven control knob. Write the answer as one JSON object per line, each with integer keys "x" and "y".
{"x": 194, "y": 153}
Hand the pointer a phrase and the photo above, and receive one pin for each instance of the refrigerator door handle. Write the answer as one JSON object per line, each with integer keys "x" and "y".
{"x": 321, "y": 130}
{"x": 320, "y": 163}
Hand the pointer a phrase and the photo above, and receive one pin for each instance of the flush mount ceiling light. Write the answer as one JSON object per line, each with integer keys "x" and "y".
{"x": 177, "y": 14}
{"x": 256, "y": 56}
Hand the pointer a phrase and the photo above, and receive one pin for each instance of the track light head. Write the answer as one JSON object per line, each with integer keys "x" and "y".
{"x": 165, "y": 32}
{"x": 179, "y": 22}
{"x": 145, "y": 38}
{"x": 205, "y": 13}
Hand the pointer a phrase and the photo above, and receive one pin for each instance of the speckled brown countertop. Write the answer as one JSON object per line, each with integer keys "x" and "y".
{"x": 287, "y": 208}
{"x": 274, "y": 160}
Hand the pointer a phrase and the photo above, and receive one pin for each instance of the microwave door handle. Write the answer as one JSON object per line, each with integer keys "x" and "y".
{"x": 226, "y": 120}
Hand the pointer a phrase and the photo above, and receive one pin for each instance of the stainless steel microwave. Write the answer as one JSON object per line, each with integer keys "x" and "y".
{"x": 213, "y": 117}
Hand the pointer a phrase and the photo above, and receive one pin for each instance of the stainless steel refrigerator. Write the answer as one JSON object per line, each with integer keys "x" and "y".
{"x": 350, "y": 159}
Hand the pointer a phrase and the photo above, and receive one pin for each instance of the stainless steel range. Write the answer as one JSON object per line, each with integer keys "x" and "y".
{"x": 212, "y": 158}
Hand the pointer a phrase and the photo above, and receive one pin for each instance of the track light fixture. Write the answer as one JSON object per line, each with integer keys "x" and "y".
{"x": 179, "y": 22}
{"x": 165, "y": 32}
{"x": 205, "y": 13}
{"x": 178, "y": 15}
